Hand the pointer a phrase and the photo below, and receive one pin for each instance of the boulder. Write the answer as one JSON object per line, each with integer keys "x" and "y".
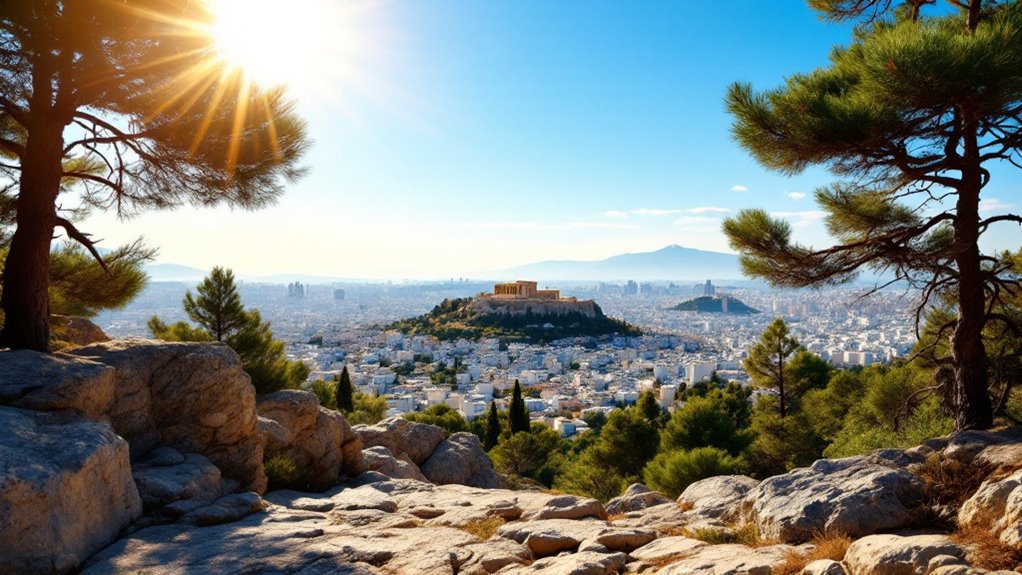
{"x": 76, "y": 330}
{"x": 663, "y": 549}
{"x": 636, "y": 497}
{"x": 165, "y": 476}
{"x": 999, "y": 450}
{"x": 856, "y": 496}
{"x": 581, "y": 563}
{"x": 896, "y": 554}
{"x": 717, "y": 497}
{"x": 996, "y": 507}
{"x": 460, "y": 459}
{"x": 193, "y": 397}
{"x": 381, "y": 460}
{"x": 46, "y": 382}
{"x": 824, "y": 567}
{"x": 729, "y": 559}
{"x": 65, "y": 490}
{"x": 310, "y": 435}
{"x": 563, "y": 507}
{"x": 399, "y": 435}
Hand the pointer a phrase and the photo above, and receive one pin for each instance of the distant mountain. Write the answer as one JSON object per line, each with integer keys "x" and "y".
{"x": 174, "y": 273}
{"x": 670, "y": 263}
{"x": 710, "y": 304}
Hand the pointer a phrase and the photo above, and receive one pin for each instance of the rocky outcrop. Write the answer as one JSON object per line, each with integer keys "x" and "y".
{"x": 193, "y": 397}
{"x": 461, "y": 459}
{"x": 897, "y": 555}
{"x": 76, "y": 330}
{"x": 717, "y": 498}
{"x": 400, "y": 436}
{"x": 997, "y": 507}
{"x": 165, "y": 475}
{"x": 635, "y": 498}
{"x": 65, "y": 490}
{"x": 381, "y": 460}
{"x": 45, "y": 382}
{"x": 856, "y": 496}
{"x": 319, "y": 441}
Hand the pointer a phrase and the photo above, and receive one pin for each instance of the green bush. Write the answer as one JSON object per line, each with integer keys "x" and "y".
{"x": 282, "y": 472}
{"x": 672, "y": 471}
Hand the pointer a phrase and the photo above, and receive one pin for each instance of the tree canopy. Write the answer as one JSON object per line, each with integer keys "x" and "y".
{"x": 123, "y": 106}
{"x": 911, "y": 117}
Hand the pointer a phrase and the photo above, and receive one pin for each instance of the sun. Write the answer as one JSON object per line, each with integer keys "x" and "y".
{"x": 272, "y": 42}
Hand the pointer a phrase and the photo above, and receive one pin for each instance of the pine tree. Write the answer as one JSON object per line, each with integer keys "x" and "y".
{"x": 650, "y": 407}
{"x": 125, "y": 105}
{"x": 518, "y": 412}
{"x": 345, "y": 392}
{"x": 218, "y": 308}
{"x": 767, "y": 363}
{"x": 221, "y": 317}
{"x": 492, "y": 428}
{"x": 914, "y": 116}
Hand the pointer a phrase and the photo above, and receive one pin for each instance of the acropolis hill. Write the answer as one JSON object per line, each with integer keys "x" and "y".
{"x": 516, "y": 311}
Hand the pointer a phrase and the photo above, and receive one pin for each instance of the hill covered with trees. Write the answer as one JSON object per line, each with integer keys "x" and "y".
{"x": 472, "y": 318}
{"x": 710, "y": 304}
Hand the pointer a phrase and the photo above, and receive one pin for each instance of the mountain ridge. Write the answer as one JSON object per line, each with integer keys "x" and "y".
{"x": 672, "y": 262}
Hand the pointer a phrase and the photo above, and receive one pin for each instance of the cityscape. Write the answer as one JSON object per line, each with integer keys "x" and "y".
{"x": 333, "y": 326}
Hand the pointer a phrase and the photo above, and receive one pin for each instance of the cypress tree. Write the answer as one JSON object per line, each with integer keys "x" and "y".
{"x": 518, "y": 413}
{"x": 492, "y": 428}
{"x": 345, "y": 393}
{"x": 650, "y": 407}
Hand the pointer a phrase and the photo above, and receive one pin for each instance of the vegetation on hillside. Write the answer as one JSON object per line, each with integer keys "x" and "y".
{"x": 710, "y": 304}
{"x": 456, "y": 318}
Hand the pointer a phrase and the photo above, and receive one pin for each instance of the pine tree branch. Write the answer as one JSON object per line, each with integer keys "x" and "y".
{"x": 83, "y": 239}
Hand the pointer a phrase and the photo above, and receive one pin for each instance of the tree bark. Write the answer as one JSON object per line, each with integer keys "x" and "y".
{"x": 970, "y": 396}
{"x": 26, "y": 279}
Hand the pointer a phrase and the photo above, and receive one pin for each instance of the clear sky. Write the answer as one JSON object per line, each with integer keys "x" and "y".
{"x": 454, "y": 137}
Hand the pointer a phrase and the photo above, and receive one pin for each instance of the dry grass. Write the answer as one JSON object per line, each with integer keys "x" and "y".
{"x": 746, "y": 534}
{"x": 949, "y": 482}
{"x": 666, "y": 560}
{"x": 483, "y": 528}
{"x": 685, "y": 506}
{"x": 987, "y": 551}
{"x": 616, "y": 517}
{"x": 825, "y": 546}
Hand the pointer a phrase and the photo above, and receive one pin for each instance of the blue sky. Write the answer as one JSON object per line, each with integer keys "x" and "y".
{"x": 454, "y": 137}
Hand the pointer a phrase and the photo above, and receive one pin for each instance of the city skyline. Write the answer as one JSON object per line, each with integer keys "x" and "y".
{"x": 460, "y": 138}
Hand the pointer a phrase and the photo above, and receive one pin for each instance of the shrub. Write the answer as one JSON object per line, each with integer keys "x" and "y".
{"x": 673, "y": 471}
{"x": 483, "y": 528}
{"x": 282, "y": 472}
{"x": 947, "y": 484}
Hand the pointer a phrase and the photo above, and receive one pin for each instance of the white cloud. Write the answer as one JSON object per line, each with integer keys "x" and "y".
{"x": 796, "y": 195}
{"x": 994, "y": 205}
{"x": 708, "y": 210}
{"x": 739, "y": 188}
{"x": 697, "y": 222}
{"x": 615, "y": 214}
{"x": 653, "y": 212}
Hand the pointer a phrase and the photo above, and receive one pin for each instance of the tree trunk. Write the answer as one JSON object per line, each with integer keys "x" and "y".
{"x": 970, "y": 395}
{"x": 26, "y": 278}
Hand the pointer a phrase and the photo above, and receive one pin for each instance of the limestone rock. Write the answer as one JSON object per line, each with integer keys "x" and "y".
{"x": 194, "y": 397}
{"x": 310, "y": 435}
{"x": 165, "y": 476}
{"x": 824, "y": 567}
{"x": 46, "y": 382}
{"x": 897, "y": 555}
{"x": 76, "y": 330}
{"x": 855, "y": 495}
{"x": 718, "y": 497}
{"x": 380, "y": 459}
{"x": 225, "y": 509}
{"x": 492, "y": 555}
{"x": 566, "y": 507}
{"x": 581, "y": 563}
{"x": 997, "y": 507}
{"x": 666, "y": 547}
{"x": 1000, "y": 450}
{"x": 728, "y": 559}
{"x": 65, "y": 490}
{"x": 460, "y": 459}
{"x": 636, "y": 497}
{"x": 399, "y": 435}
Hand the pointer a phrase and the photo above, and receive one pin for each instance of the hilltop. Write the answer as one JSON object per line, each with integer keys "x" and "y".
{"x": 710, "y": 304}
{"x": 526, "y": 320}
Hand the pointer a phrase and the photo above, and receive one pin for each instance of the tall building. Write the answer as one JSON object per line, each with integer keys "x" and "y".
{"x": 709, "y": 288}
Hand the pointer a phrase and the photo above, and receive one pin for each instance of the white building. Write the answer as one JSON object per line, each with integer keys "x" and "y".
{"x": 697, "y": 371}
